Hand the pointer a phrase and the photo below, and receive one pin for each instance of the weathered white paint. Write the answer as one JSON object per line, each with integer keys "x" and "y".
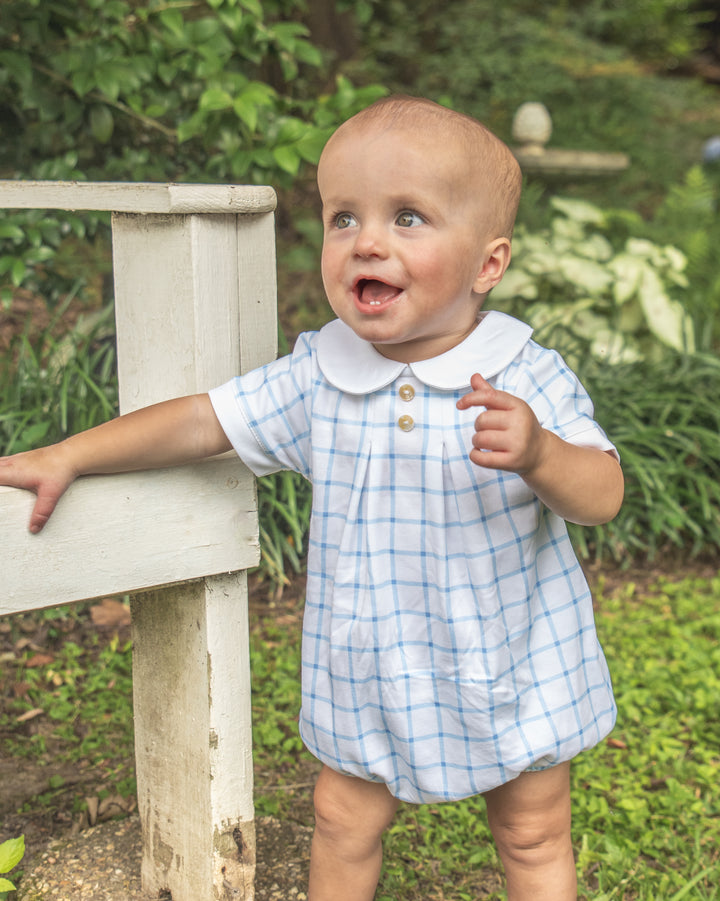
{"x": 114, "y": 534}
{"x": 149, "y": 197}
{"x": 198, "y": 747}
{"x": 195, "y": 304}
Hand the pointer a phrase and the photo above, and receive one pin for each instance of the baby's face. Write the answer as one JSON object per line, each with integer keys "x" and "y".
{"x": 408, "y": 252}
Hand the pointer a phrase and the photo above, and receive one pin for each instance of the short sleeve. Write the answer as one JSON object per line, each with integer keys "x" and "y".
{"x": 266, "y": 413}
{"x": 562, "y": 405}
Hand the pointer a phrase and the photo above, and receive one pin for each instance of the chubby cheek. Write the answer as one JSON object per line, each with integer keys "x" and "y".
{"x": 331, "y": 270}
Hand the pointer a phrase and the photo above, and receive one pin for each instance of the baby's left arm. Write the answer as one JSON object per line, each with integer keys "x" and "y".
{"x": 583, "y": 485}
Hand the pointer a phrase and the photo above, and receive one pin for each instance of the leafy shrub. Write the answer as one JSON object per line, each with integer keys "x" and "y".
{"x": 688, "y": 216}
{"x": 486, "y": 59}
{"x": 210, "y": 90}
{"x": 664, "y": 418}
{"x": 583, "y": 296}
{"x": 665, "y": 32}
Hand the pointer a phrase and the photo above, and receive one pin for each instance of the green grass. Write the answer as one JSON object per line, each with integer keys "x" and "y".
{"x": 84, "y": 689}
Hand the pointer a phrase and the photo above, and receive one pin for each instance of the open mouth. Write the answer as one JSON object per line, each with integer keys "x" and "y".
{"x": 374, "y": 293}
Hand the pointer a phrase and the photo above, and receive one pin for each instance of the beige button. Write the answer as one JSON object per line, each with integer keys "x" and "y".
{"x": 406, "y": 392}
{"x": 406, "y": 423}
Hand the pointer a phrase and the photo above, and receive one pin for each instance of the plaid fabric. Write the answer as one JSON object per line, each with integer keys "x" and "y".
{"x": 448, "y": 639}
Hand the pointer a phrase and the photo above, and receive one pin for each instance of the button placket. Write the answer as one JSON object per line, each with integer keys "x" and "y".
{"x": 406, "y": 393}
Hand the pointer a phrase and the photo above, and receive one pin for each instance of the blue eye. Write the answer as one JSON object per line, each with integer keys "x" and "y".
{"x": 344, "y": 220}
{"x": 407, "y": 219}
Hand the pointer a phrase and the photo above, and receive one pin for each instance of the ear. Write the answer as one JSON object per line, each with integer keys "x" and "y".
{"x": 496, "y": 260}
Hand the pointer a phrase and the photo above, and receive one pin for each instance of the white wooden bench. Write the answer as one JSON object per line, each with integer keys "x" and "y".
{"x": 195, "y": 298}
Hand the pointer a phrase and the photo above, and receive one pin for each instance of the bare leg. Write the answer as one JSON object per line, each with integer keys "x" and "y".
{"x": 530, "y": 821}
{"x": 350, "y": 818}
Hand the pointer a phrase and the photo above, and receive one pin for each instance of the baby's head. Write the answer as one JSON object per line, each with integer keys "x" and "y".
{"x": 419, "y": 204}
{"x": 485, "y": 167}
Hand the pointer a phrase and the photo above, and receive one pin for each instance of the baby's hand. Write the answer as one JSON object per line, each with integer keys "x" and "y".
{"x": 507, "y": 434}
{"x": 46, "y": 472}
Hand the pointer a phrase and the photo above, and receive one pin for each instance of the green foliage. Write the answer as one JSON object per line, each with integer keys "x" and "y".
{"x": 162, "y": 90}
{"x": 664, "y": 418}
{"x": 223, "y": 90}
{"x": 582, "y": 296}
{"x": 664, "y": 32}
{"x": 51, "y": 388}
{"x": 486, "y": 59}
{"x": 278, "y": 749}
{"x": 688, "y": 216}
{"x": 284, "y": 505}
{"x": 86, "y": 694}
{"x": 11, "y": 853}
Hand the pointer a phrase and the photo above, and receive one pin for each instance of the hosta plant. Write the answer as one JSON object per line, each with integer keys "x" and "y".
{"x": 585, "y": 295}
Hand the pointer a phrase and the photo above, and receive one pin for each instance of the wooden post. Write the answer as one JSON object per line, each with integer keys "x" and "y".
{"x": 195, "y": 304}
{"x": 183, "y": 285}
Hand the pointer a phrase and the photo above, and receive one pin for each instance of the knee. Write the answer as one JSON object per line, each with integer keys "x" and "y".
{"x": 351, "y": 811}
{"x": 534, "y": 841}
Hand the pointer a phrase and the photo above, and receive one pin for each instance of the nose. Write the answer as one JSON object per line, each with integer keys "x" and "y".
{"x": 371, "y": 241}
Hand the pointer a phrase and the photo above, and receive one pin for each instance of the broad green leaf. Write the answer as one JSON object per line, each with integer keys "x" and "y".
{"x": 571, "y": 231}
{"x": 11, "y": 853}
{"x": 101, "y": 123}
{"x": 253, "y": 6}
{"x": 675, "y": 257}
{"x": 586, "y": 275}
{"x": 515, "y": 283}
{"x": 640, "y": 247}
{"x": 17, "y": 272}
{"x": 585, "y": 322}
{"x": 291, "y": 130}
{"x": 246, "y": 109}
{"x": 628, "y": 271}
{"x": 172, "y": 19}
{"x": 109, "y": 79}
{"x": 83, "y": 82}
{"x": 631, "y": 317}
{"x": 533, "y": 243}
{"x": 215, "y": 99}
{"x": 666, "y": 318}
{"x": 311, "y": 146}
{"x": 287, "y": 158}
{"x": 6, "y": 885}
{"x": 6, "y": 263}
{"x": 8, "y": 230}
{"x": 579, "y": 210}
{"x": 247, "y": 103}
{"x": 614, "y": 347}
{"x": 595, "y": 247}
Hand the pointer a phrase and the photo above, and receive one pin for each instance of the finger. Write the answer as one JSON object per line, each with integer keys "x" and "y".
{"x": 42, "y": 511}
{"x": 484, "y": 395}
{"x": 491, "y": 421}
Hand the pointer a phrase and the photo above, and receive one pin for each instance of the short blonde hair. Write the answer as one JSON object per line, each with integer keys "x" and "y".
{"x": 489, "y": 157}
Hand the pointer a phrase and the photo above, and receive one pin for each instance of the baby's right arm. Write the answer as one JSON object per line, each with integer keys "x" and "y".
{"x": 167, "y": 434}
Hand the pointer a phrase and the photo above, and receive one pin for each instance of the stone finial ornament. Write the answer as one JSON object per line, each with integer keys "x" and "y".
{"x": 532, "y": 127}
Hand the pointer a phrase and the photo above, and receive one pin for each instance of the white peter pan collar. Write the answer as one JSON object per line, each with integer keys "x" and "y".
{"x": 354, "y": 366}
